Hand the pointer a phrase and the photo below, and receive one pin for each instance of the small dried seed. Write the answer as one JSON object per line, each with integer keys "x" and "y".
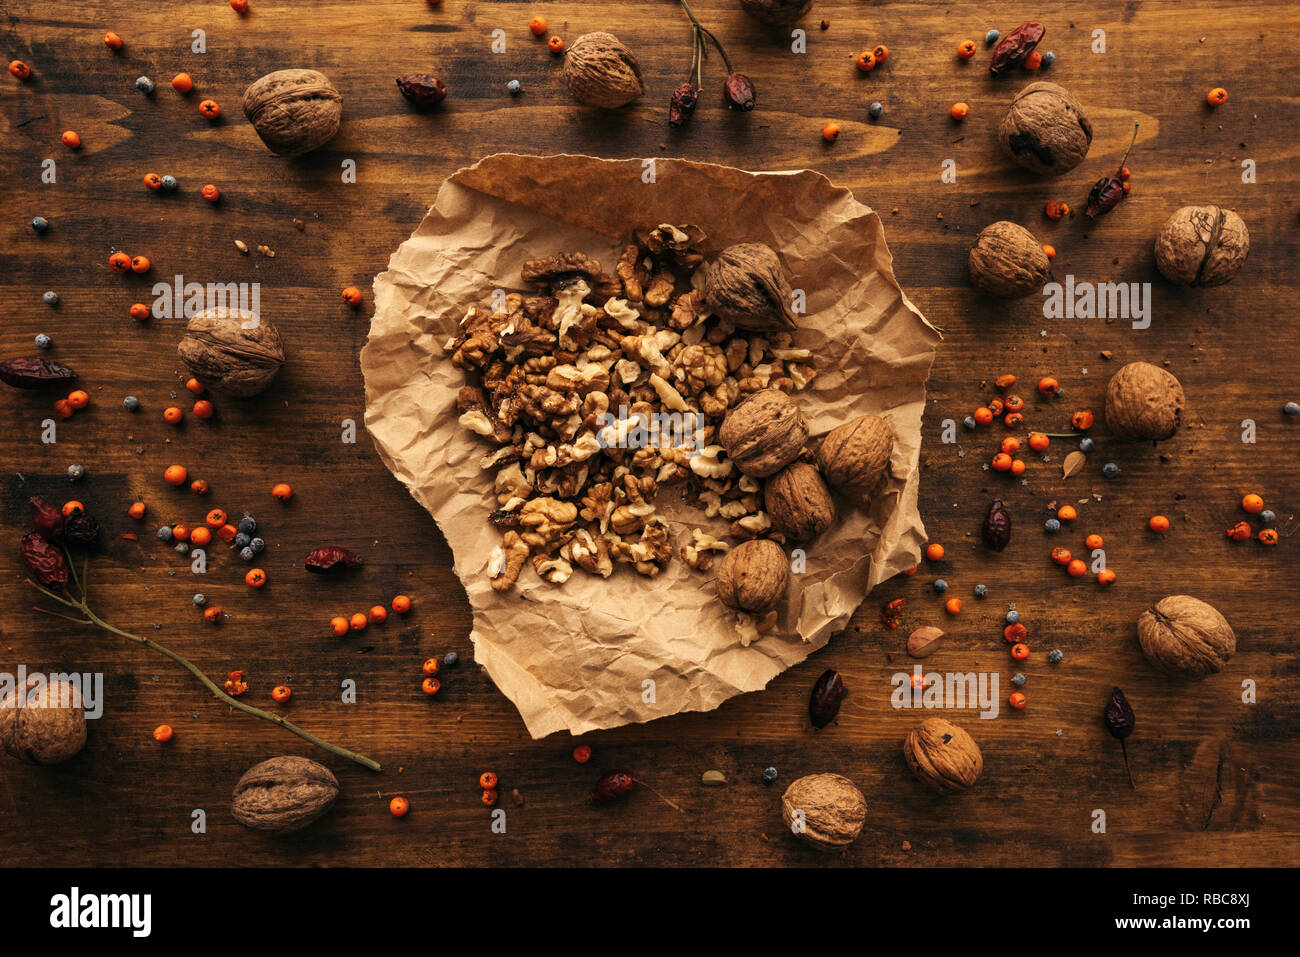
{"x": 241, "y": 246}
{"x": 1073, "y": 463}
{"x": 713, "y": 779}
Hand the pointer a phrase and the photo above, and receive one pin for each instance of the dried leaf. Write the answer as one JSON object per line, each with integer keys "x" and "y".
{"x": 1073, "y": 464}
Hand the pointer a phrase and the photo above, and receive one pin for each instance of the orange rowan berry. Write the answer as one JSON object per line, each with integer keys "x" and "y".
{"x": 78, "y": 399}
{"x": 175, "y": 475}
{"x": 1033, "y": 61}
{"x": 139, "y": 311}
{"x": 1252, "y": 504}
{"x": 1048, "y": 386}
{"x": 1055, "y": 209}
{"x": 210, "y": 193}
{"x": 1217, "y": 97}
{"x": 112, "y": 41}
{"x": 487, "y": 780}
{"x": 983, "y": 415}
{"x": 489, "y": 798}
{"x": 1049, "y": 250}
{"x": 582, "y": 754}
{"x": 917, "y": 682}
{"x": 1005, "y": 381}
{"x": 431, "y": 666}
{"x": 1128, "y": 188}
{"x": 70, "y": 507}
{"x": 282, "y": 491}
{"x": 255, "y": 578}
{"x": 966, "y": 49}
{"x": 1082, "y": 420}
{"x": 1076, "y": 568}
{"x": 537, "y": 26}
{"x": 953, "y": 606}
{"x": 281, "y": 693}
{"x": 378, "y": 614}
{"x": 1015, "y": 634}
{"x": 163, "y": 733}
{"x": 1268, "y": 536}
{"x": 201, "y": 536}
{"x": 352, "y": 296}
{"x": 182, "y": 83}
{"x": 398, "y": 806}
{"x": 1020, "y": 651}
{"x": 1093, "y": 542}
{"x": 153, "y": 181}
{"x": 996, "y": 406}
{"x": 239, "y": 6}
{"x": 959, "y": 111}
{"x": 358, "y": 622}
{"x": 1067, "y": 513}
{"x": 1158, "y": 523}
{"x": 136, "y": 510}
{"x": 212, "y": 614}
{"x": 1017, "y": 700}
{"x": 866, "y": 61}
{"x": 430, "y": 686}
{"x": 934, "y": 551}
{"x": 1039, "y": 441}
{"x": 1011, "y": 445}
{"x": 119, "y": 262}
{"x": 1015, "y": 403}
{"x": 19, "y": 69}
{"x": 1106, "y": 577}
{"x": 555, "y": 44}
{"x": 64, "y": 409}
{"x": 1239, "y": 532}
{"x": 199, "y": 487}
{"x": 173, "y": 415}
{"x": 181, "y": 533}
{"x": 71, "y": 140}
{"x": 339, "y": 626}
{"x": 1017, "y": 467}
{"x": 210, "y": 109}
{"x": 1061, "y": 555}
{"x": 401, "y": 604}
{"x": 195, "y": 386}
{"x": 203, "y": 409}
{"x": 227, "y": 532}
{"x": 1002, "y": 462}
{"x": 1013, "y": 420}
{"x": 140, "y": 264}
{"x": 881, "y": 53}
{"x": 831, "y": 132}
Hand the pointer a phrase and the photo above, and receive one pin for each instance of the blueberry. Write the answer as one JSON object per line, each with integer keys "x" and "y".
{"x": 1018, "y": 680}
{"x": 515, "y": 87}
{"x": 981, "y": 591}
{"x": 75, "y": 472}
{"x": 1055, "y": 656}
{"x": 1086, "y": 444}
{"x": 164, "y": 533}
{"x": 246, "y": 554}
{"x": 200, "y": 599}
{"x": 144, "y": 85}
{"x": 991, "y": 38}
{"x": 969, "y": 422}
{"x": 50, "y": 297}
{"x": 1291, "y": 408}
{"x": 1110, "y": 470}
{"x": 1267, "y": 516}
{"x": 876, "y": 110}
{"x": 1013, "y": 616}
{"x": 1049, "y": 58}
{"x": 183, "y": 547}
{"x": 40, "y": 224}
{"x": 247, "y": 525}
{"x": 940, "y": 586}
{"x": 257, "y": 545}
{"x": 131, "y": 403}
{"x": 1052, "y": 526}
{"x": 769, "y": 775}
{"x": 169, "y": 184}
{"x": 451, "y": 659}
{"x": 242, "y": 540}
{"x": 43, "y": 341}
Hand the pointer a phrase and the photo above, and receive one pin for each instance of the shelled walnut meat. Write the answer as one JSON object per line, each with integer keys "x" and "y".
{"x": 1144, "y": 401}
{"x": 1186, "y": 637}
{"x": 1008, "y": 262}
{"x": 943, "y": 756}
{"x": 43, "y": 722}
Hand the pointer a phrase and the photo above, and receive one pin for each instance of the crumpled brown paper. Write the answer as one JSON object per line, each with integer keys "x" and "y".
{"x": 599, "y": 653}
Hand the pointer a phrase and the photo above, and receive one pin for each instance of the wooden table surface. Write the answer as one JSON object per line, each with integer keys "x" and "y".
{"x": 1216, "y": 777}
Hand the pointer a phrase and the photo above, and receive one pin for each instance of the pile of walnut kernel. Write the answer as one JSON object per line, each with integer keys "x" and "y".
{"x": 557, "y": 378}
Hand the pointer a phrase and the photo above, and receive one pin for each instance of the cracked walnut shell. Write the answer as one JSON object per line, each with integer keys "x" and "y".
{"x": 764, "y": 433}
{"x": 1186, "y": 637}
{"x": 1144, "y": 402}
{"x": 826, "y": 810}
{"x": 601, "y": 71}
{"x": 752, "y": 577}
{"x": 798, "y": 503}
{"x": 746, "y": 286}
{"x": 283, "y": 794}
{"x": 294, "y": 111}
{"x": 1008, "y": 262}
{"x": 1202, "y": 246}
{"x": 943, "y": 756}
{"x": 232, "y": 350}
{"x": 854, "y": 456}
{"x": 1045, "y": 130}
{"x": 43, "y": 722}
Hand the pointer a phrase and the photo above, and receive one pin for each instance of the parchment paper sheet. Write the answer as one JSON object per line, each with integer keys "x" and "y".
{"x": 575, "y": 657}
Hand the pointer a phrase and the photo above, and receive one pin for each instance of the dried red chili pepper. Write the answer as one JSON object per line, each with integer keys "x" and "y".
{"x": 331, "y": 558}
{"x": 34, "y": 373}
{"x": 682, "y": 105}
{"x": 46, "y": 519}
{"x": 1109, "y": 190}
{"x": 43, "y": 560}
{"x": 1014, "y": 48}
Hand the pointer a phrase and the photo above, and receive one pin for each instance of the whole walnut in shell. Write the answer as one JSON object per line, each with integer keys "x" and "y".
{"x": 764, "y": 433}
{"x": 283, "y": 794}
{"x": 752, "y": 576}
{"x": 1144, "y": 402}
{"x": 1008, "y": 262}
{"x": 854, "y": 456}
{"x": 1202, "y": 246}
{"x": 294, "y": 111}
{"x": 601, "y": 71}
{"x": 776, "y": 13}
{"x": 943, "y": 756}
{"x": 1045, "y": 130}
{"x": 43, "y": 722}
{"x": 798, "y": 503}
{"x": 1187, "y": 637}
{"x": 826, "y": 810}
{"x": 746, "y": 286}
{"x": 232, "y": 350}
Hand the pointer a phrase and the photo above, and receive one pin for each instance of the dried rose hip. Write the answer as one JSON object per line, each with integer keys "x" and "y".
{"x": 80, "y": 529}
{"x": 34, "y": 373}
{"x": 997, "y": 527}
{"x": 1015, "y": 47}
{"x": 43, "y": 560}
{"x": 682, "y": 104}
{"x": 739, "y": 92}
{"x": 46, "y": 519}
{"x": 331, "y": 558}
{"x": 827, "y": 694}
{"x": 422, "y": 90}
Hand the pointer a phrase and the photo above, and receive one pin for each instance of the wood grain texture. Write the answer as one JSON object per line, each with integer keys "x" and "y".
{"x": 1216, "y": 778}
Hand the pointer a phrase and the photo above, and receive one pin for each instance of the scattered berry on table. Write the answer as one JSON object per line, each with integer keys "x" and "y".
{"x": 981, "y": 591}
{"x": 831, "y": 132}
{"x": 1217, "y": 97}
{"x": 934, "y": 551}
{"x": 1017, "y": 701}
{"x": 1106, "y": 576}
{"x": 50, "y": 298}
{"x": 1086, "y": 444}
{"x": 430, "y": 666}
{"x": 969, "y": 422}
{"x": 1158, "y": 523}
{"x": 1013, "y": 616}
{"x": 76, "y": 473}
{"x": 255, "y": 578}
{"x": 210, "y": 193}
{"x": 257, "y": 545}
{"x": 282, "y": 491}
{"x": 163, "y": 733}
{"x": 1018, "y": 679}
{"x": 1268, "y": 537}
{"x": 582, "y": 754}
{"x": 940, "y": 586}
{"x": 164, "y": 533}
{"x": 398, "y": 807}
{"x": 182, "y": 83}
{"x": 200, "y": 599}
{"x": 1055, "y": 655}
{"x": 210, "y": 108}
{"x": 431, "y": 686}
{"x": 450, "y": 659}
{"x": 131, "y": 403}
{"x": 247, "y": 525}
{"x": 242, "y": 540}
{"x": 145, "y": 85}
{"x": 183, "y": 547}
{"x": 1110, "y": 470}
{"x": 1052, "y": 525}
{"x": 514, "y": 87}
{"x": 1252, "y": 504}
{"x": 168, "y": 184}
{"x": 876, "y": 110}
{"x": 1267, "y": 516}
{"x": 40, "y": 224}
{"x": 991, "y": 37}
{"x": 43, "y": 341}
{"x": 769, "y": 775}
{"x": 246, "y": 554}
{"x": 959, "y": 111}
{"x": 966, "y": 49}
{"x": 1049, "y": 58}
{"x": 537, "y": 26}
